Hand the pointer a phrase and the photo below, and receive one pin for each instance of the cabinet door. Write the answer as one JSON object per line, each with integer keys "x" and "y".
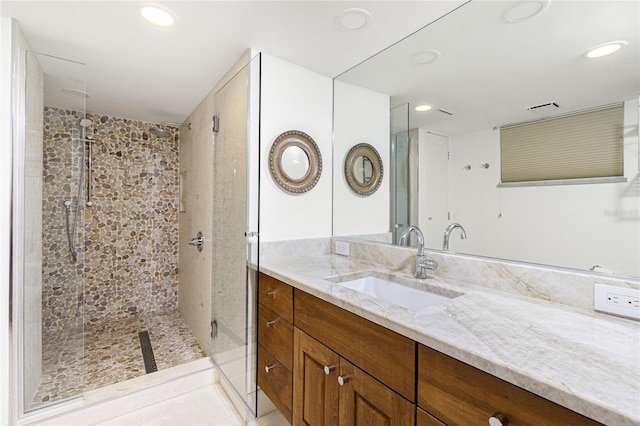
{"x": 364, "y": 401}
{"x": 425, "y": 419}
{"x": 315, "y": 382}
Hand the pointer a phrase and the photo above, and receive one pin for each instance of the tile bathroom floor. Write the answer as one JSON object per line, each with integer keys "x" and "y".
{"x": 112, "y": 353}
{"x": 204, "y": 406}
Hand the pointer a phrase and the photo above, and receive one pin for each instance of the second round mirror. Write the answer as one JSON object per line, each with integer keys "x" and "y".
{"x": 363, "y": 169}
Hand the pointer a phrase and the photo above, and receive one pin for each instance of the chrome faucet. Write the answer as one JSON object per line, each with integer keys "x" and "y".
{"x": 447, "y": 232}
{"x": 422, "y": 262}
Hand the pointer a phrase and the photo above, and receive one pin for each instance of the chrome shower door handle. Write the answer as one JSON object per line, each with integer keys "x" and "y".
{"x": 198, "y": 241}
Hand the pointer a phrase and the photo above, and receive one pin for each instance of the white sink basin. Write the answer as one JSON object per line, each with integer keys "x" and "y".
{"x": 392, "y": 292}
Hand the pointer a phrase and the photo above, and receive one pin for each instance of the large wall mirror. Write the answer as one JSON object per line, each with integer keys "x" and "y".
{"x": 482, "y": 67}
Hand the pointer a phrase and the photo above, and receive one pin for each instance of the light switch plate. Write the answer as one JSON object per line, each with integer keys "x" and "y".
{"x": 622, "y": 301}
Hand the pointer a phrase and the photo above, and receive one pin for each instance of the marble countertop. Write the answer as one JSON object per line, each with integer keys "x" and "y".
{"x": 587, "y": 362}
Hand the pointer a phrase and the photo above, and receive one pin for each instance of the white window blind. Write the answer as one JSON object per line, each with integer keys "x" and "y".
{"x": 583, "y": 145}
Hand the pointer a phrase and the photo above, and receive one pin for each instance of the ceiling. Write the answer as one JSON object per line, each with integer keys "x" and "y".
{"x": 490, "y": 70}
{"x": 138, "y": 71}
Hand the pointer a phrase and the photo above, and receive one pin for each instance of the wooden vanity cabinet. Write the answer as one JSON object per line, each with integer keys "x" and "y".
{"x": 330, "y": 391}
{"x": 275, "y": 343}
{"x": 305, "y": 344}
{"x": 458, "y": 394}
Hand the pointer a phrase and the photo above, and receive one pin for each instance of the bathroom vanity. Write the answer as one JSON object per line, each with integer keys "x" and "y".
{"x": 331, "y": 355}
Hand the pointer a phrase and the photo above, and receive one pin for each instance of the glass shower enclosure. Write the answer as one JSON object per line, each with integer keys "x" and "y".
{"x": 49, "y": 155}
{"x": 400, "y": 171}
{"x": 235, "y": 235}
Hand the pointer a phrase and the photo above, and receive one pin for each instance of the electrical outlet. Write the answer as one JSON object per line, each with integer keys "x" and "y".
{"x": 621, "y": 301}
{"x": 342, "y": 248}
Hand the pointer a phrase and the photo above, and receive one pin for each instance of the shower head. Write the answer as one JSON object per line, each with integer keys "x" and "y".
{"x": 161, "y": 133}
{"x": 175, "y": 125}
{"x": 157, "y": 131}
{"x": 85, "y": 122}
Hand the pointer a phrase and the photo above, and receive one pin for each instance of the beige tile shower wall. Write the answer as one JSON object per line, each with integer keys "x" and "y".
{"x": 130, "y": 247}
{"x": 196, "y": 170}
{"x": 196, "y": 163}
{"x": 34, "y": 100}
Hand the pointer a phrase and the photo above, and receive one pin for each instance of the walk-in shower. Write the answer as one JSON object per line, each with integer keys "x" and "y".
{"x": 96, "y": 247}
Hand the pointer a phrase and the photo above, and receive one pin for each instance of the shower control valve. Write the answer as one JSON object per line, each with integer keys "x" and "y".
{"x": 198, "y": 241}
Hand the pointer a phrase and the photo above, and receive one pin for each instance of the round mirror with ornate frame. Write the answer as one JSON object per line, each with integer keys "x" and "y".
{"x": 363, "y": 169}
{"x": 295, "y": 162}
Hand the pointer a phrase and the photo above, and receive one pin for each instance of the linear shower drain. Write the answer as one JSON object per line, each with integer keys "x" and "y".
{"x": 147, "y": 352}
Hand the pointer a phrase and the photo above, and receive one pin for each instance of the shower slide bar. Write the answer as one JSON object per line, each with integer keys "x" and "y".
{"x": 89, "y": 141}
{"x": 68, "y": 204}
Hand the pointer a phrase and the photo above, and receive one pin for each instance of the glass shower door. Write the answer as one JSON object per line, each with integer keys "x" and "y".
{"x": 49, "y": 220}
{"x": 235, "y": 237}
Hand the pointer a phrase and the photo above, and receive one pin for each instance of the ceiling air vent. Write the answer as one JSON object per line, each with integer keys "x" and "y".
{"x": 549, "y": 106}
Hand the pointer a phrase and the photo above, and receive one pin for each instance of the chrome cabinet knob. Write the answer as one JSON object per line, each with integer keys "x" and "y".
{"x": 328, "y": 369}
{"x": 498, "y": 419}
{"x": 268, "y": 368}
{"x": 270, "y": 323}
{"x": 343, "y": 379}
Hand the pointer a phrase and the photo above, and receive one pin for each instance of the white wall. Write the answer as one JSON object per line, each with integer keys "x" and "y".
{"x": 361, "y": 116}
{"x": 294, "y": 98}
{"x": 6, "y": 50}
{"x": 571, "y": 225}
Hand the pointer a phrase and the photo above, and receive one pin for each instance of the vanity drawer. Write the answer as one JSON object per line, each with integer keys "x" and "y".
{"x": 277, "y": 383}
{"x": 276, "y": 335}
{"x": 380, "y": 352}
{"x": 458, "y": 394}
{"x": 276, "y": 296}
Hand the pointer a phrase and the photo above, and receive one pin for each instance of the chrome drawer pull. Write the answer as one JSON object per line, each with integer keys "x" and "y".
{"x": 498, "y": 419}
{"x": 343, "y": 379}
{"x": 269, "y": 293}
{"x": 270, "y": 323}
{"x": 268, "y": 368}
{"x": 328, "y": 369}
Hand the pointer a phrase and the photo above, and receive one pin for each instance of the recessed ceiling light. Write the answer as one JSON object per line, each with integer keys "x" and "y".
{"x": 158, "y": 15}
{"x": 605, "y": 49}
{"x": 353, "y": 19}
{"x": 524, "y": 10}
{"x": 424, "y": 57}
{"x": 75, "y": 92}
{"x": 422, "y": 108}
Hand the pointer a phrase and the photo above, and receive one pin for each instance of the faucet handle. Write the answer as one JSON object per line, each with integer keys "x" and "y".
{"x": 427, "y": 263}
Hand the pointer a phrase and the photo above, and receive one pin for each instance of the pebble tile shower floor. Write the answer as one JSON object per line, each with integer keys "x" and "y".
{"x": 112, "y": 353}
